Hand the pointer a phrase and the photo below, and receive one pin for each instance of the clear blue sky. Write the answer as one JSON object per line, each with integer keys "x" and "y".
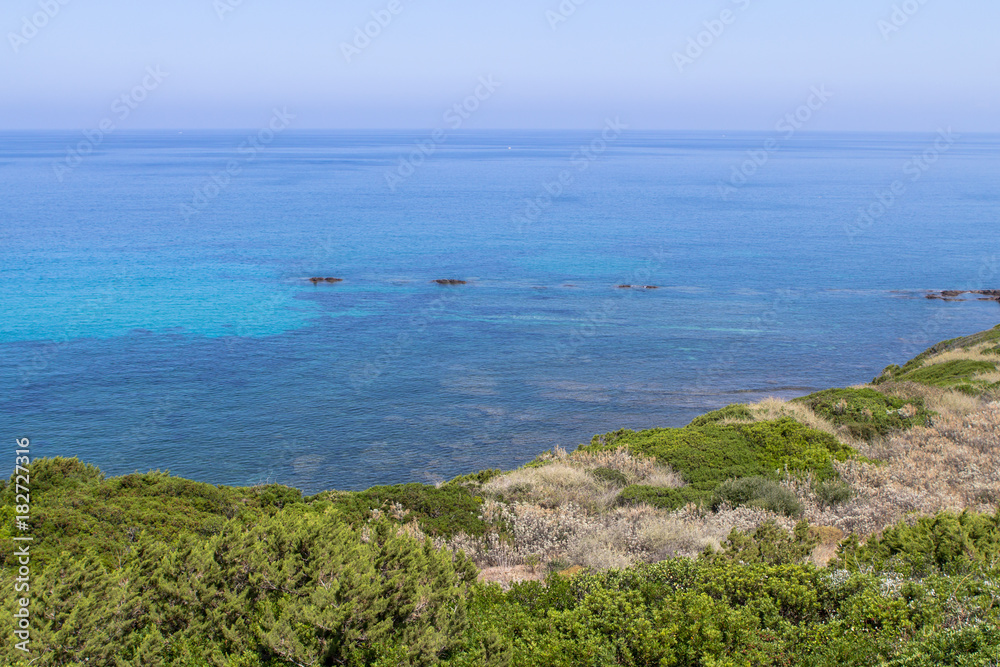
{"x": 941, "y": 67}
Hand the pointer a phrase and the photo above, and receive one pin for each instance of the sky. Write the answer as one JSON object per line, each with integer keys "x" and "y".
{"x": 855, "y": 65}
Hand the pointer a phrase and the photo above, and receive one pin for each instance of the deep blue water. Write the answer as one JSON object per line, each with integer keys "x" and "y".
{"x": 139, "y": 334}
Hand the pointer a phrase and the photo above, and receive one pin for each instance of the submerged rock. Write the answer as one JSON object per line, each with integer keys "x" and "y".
{"x": 450, "y": 281}
{"x": 318, "y": 280}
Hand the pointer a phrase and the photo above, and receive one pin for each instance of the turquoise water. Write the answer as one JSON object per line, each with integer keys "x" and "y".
{"x": 146, "y": 326}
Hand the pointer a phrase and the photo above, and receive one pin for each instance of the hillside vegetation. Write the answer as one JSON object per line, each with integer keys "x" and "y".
{"x": 854, "y": 526}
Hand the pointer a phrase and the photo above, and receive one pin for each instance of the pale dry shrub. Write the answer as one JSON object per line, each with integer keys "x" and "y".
{"x": 668, "y": 536}
{"x": 668, "y": 479}
{"x": 644, "y": 470}
{"x": 945, "y": 402}
{"x": 975, "y": 353}
{"x": 553, "y": 485}
{"x": 567, "y": 478}
{"x": 952, "y": 465}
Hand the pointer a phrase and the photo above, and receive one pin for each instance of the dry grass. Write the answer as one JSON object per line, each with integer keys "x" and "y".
{"x": 952, "y": 465}
{"x": 637, "y": 469}
{"x": 975, "y": 353}
{"x": 945, "y": 402}
{"x": 553, "y": 485}
{"x": 559, "y": 514}
{"x": 567, "y": 479}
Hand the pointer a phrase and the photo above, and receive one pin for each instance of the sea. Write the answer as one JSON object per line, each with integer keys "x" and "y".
{"x": 156, "y": 311}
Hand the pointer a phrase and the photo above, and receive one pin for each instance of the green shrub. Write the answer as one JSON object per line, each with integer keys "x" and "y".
{"x": 769, "y": 544}
{"x": 441, "y": 512}
{"x": 948, "y": 373}
{"x": 895, "y": 372}
{"x": 974, "y": 646}
{"x": 757, "y": 492}
{"x": 710, "y": 454}
{"x": 610, "y": 476}
{"x": 867, "y": 413}
{"x": 657, "y": 496}
{"x": 76, "y": 510}
{"x": 947, "y": 543}
{"x": 477, "y": 478}
{"x": 734, "y": 412}
{"x": 831, "y": 493}
{"x": 289, "y": 590}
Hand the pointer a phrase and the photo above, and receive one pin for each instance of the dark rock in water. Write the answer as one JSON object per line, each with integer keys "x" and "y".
{"x": 334, "y": 280}
{"x": 318, "y": 280}
{"x": 450, "y": 281}
{"x": 652, "y": 287}
{"x": 624, "y": 287}
{"x": 950, "y": 294}
{"x": 315, "y": 281}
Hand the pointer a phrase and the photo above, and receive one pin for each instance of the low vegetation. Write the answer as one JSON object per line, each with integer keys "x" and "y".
{"x": 855, "y": 526}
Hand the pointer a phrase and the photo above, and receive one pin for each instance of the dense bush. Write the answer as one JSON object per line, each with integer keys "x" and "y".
{"x": 757, "y": 492}
{"x": 720, "y": 611}
{"x": 734, "y": 412}
{"x": 832, "y": 492}
{"x": 709, "y": 454}
{"x": 957, "y": 374}
{"x": 867, "y": 413}
{"x": 769, "y": 544}
{"x": 657, "y": 496}
{"x": 610, "y": 476}
{"x": 301, "y": 588}
{"x": 947, "y": 543}
{"x": 441, "y": 512}
{"x": 75, "y": 509}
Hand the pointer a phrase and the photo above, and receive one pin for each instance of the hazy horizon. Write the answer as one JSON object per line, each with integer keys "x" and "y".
{"x": 732, "y": 65}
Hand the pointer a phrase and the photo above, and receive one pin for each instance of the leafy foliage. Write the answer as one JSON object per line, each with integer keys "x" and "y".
{"x": 75, "y": 509}
{"x": 832, "y": 492}
{"x": 947, "y": 543}
{"x": 442, "y": 512}
{"x": 709, "y": 454}
{"x": 657, "y": 496}
{"x": 611, "y": 476}
{"x": 301, "y": 588}
{"x": 768, "y": 544}
{"x": 957, "y": 374}
{"x": 734, "y": 412}
{"x": 757, "y": 492}
{"x": 867, "y": 413}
